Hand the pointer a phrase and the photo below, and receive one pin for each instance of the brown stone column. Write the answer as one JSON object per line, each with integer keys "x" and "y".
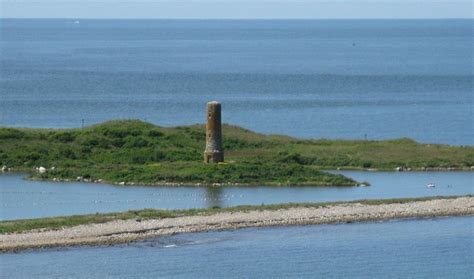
{"x": 214, "y": 153}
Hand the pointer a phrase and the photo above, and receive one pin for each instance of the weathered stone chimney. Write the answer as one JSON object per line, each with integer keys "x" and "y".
{"x": 214, "y": 153}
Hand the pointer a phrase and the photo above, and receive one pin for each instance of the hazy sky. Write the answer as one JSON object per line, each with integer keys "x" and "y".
{"x": 236, "y": 9}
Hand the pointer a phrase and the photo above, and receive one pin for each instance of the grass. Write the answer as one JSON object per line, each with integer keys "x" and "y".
{"x": 133, "y": 151}
{"x": 49, "y": 223}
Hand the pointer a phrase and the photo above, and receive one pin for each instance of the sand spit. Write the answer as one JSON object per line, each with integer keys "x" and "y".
{"x": 122, "y": 231}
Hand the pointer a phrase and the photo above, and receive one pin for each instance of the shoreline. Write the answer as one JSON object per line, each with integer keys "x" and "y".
{"x": 29, "y": 175}
{"x": 32, "y": 176}
{"x": 129, "y": 230}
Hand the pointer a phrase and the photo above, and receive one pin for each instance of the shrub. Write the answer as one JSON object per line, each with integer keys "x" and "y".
{"x": 64, "y": 136}
{"x": 9, "y": 133}
{"x": 155, "y": 133}
{"x": 158, "y": 155}
{"x": 366, "y": 164}
{"x": 32, "y": 156}
{"x": 136, "y": 142}
{"x": 66, "y": 153}
{"x": 295, "y": 158}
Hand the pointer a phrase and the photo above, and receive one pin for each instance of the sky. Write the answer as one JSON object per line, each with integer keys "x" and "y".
{"x": 236, "y": 9}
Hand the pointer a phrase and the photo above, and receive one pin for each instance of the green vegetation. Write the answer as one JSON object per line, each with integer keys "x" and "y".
{"x": 69, "y": 221}
{"x": 132, "y": 151}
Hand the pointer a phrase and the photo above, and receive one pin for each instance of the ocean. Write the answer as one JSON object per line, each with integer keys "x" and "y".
{"x": 421, "y": 248}
{"x": 24, "y": 199}
{"x": 344, "y": 79}
{"x": 336, "y": 79}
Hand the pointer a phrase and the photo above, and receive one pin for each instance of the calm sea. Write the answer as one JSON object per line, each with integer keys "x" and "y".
{"x": 23, "y": 199}
{"x": 427, "y": 248}
{"x": 346, "y": 79}
{"x": 315, "y": 79}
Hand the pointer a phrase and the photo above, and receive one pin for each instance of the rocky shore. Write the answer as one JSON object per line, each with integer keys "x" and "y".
{"x": 122, "y": 231}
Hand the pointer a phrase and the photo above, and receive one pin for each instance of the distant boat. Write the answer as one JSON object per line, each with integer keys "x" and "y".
{"x": 77, "y": 22}
{"x": 430, "y": 185}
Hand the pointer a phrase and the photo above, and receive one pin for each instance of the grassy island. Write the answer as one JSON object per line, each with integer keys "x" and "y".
{"x": 132, "y": 151}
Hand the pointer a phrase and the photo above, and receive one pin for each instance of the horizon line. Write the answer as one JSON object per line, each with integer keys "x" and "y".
{"x": 197, "y": 18}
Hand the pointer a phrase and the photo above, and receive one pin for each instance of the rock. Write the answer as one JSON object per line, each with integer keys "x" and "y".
{"x": 53, "y": 168}
{"x": 122, "y": 183}
{"x": 399, "y": 168}
{"x": 4, "y": 168}
{"x": 79, "y": 178}
{"x": 42, "y": 170}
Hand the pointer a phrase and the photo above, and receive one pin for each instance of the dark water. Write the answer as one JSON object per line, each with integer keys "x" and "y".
{"x": 313, "y": 79}
{"x": 428, "y": 248}
{"x": 21, "y": 199}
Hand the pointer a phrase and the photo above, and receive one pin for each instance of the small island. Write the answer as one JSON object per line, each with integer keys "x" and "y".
{"x": 131, "y": 152}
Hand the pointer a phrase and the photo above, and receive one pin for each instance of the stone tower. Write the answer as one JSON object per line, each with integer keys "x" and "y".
{"x": 214, "y": 153}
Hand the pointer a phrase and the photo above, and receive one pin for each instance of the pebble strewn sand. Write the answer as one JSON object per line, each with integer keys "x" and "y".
{"x": 129, "y": 230}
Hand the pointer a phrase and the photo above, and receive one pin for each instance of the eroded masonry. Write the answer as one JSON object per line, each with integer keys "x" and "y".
{"x": 214, "y": 153}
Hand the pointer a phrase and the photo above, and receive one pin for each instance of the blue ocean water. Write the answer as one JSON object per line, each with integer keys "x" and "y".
{"x": 345, "y": 79}
{"x": 307, "y": 78}
{"x": 24, "y": 199}
{"x": 426, "y": 248}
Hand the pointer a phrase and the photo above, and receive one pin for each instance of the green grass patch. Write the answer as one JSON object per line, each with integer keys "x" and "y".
{"x": 133, "y": 151}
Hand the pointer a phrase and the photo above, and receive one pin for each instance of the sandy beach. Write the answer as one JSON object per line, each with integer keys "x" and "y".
{"x": 123, "y": 231}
